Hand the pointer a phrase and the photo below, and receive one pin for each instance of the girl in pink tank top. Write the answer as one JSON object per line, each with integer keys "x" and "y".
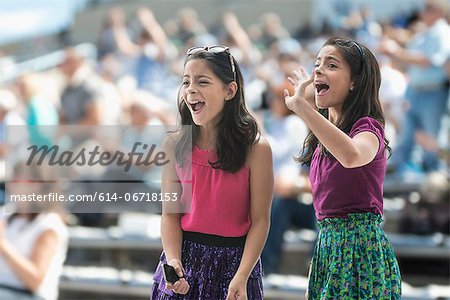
{"x": 221, "y": 171}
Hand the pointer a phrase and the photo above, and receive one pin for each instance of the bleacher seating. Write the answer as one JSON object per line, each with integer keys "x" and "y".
{"x": 405, "y": 245}
{"x": 137, "y": 284}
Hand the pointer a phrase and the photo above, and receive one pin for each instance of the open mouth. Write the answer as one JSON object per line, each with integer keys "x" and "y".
{"x": 197, "y": 105}
{"x": 322, "y": 88}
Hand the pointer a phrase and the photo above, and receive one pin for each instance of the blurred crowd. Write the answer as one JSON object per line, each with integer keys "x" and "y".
{"x": 135, "y": 78}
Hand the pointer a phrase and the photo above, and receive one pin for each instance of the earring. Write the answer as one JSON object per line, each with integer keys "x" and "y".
{"x": 351, "y": 88}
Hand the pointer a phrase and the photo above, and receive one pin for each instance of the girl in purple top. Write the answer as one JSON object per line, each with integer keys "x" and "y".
{"x": 346, "y": 150}
{"x": 226, "y": 180}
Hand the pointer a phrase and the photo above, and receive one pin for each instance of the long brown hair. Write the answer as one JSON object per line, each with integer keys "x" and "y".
{"x": 363, "y": 101}
{"x": 237, "y": 130}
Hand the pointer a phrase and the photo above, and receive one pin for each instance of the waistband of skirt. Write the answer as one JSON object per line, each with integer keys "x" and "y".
{"x": 214, "y": 240}
{"x": 352, "y": 218}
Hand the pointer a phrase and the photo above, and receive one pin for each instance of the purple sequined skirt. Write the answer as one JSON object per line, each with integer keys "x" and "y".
{"x": 209, "y": 270}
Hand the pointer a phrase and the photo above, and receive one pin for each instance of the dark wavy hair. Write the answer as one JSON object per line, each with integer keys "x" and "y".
{"x": 237, "y": 130}
{"x": 363, "y": 101}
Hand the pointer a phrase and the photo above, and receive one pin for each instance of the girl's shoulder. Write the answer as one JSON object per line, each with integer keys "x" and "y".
{"x": 260, "y": 152}
{"x": 261, "y": 144}
{"x": 171, "y": 138}
{"x": 367, "y": 124}
{"x": 170, "y": 141}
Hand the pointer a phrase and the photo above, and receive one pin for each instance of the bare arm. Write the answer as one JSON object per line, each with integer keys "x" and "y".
{"x": 409, "y": 57}
{"x": 397, "y": 52}
{"x": 350, "y": 152}
{"x": 32, "y": 270}
{"x": 261, "y": 190}
{"x": 239, "y": 35}
{"x": 123, "y": 41}
{"x": 155, "y": 30}
{"x": 171, "y": 233}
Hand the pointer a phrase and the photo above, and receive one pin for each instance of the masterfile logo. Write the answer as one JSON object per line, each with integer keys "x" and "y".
{"x": 90, "y": 168}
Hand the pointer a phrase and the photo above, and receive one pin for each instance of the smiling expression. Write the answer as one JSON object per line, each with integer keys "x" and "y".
{"x": 332, "y": 79}
{"x": 203, "y": 92}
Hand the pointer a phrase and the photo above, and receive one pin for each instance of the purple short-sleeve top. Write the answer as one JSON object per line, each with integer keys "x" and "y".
{"x": 338, "y": 191}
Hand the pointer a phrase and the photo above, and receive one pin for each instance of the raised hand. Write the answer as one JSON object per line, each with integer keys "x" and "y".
{"x": 303, "y": 91}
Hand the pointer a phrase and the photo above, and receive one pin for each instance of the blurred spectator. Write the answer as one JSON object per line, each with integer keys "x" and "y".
{"x": 392, "y": 97}
{"x": 155, "y": 54}
{"x": 331, "y": 15}
{"x": 149, "y": 31}
{"x": 32, "y": 252}
{"x": 431, "y": 214}
{"x": 146, "y": 109}
{"x": 431, "y": 144}
{"x": 367, "y": 30}
{"x": 279, "y": 63}
{"x": 8, "y": 116}
{"x": 115, "y": 47}
{"x": 33, "y": 241}
{"x": 428, "y": 88}
{"x": 230, "y": 32}
{"x": 149, "y": 117}
{"x": 80, "y": 98}
{"x": 404, "y": 33}
{"x": 268, "y": 31}
{"x": 285, "y": 132}
{"x": 40, "y": 110}
{"x": 7, "y": 63}
{"x": 142, "y": 51}
{"x": 185, "y": 28}
{"x": 107, "y": 38}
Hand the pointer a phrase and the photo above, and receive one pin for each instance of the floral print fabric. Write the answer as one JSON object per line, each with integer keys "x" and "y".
{"x": 354, "y": 260}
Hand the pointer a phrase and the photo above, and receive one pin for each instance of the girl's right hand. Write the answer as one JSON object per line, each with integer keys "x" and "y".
{"x": 303, "y": 91}
{"x": 181, "y": 286}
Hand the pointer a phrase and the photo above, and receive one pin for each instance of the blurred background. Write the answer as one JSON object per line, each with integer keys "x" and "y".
{"x": 112, "y": 62}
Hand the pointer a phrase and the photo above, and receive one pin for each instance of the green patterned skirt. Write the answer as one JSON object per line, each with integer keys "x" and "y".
{"x": 353, "y": 260}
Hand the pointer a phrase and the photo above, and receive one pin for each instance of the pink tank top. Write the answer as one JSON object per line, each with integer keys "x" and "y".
{"x": 220, "y": 200}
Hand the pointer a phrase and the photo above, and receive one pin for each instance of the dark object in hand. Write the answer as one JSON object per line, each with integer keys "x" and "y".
{"x": 170, "y": 275}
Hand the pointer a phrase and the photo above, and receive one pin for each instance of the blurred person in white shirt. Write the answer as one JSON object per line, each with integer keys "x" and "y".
{"x": 33, "y": 240}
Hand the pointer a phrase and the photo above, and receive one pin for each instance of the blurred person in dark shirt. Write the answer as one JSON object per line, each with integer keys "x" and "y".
{"x": 79, "y": 105}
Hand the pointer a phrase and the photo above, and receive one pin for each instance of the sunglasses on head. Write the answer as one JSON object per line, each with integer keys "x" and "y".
{"x": 214, "y": 49}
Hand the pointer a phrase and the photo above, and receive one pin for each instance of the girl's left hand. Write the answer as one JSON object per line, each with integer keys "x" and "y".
{"x": 303, "y": 91}
{"x": 237, "y": 289}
